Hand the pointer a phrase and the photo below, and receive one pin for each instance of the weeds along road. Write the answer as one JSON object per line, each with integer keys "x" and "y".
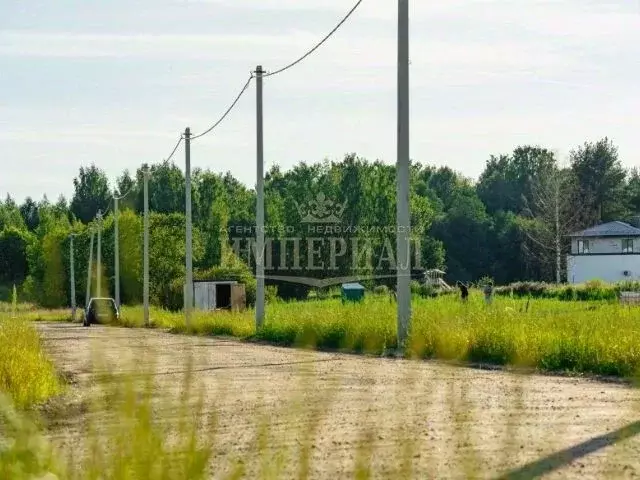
{"x": 446, "y": 422}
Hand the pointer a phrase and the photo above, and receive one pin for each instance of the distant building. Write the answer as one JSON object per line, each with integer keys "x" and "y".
{"x": 608, "y": 252}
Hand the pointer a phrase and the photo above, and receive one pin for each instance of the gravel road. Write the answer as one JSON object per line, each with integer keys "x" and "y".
{"x": 500, "y": 422}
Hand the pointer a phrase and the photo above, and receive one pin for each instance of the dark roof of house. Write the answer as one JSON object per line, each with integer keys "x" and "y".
{"x": 611, "y": 229}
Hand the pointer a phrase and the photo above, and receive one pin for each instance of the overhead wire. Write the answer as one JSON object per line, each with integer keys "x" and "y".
{"x": 318, "y": 45}
{"x": 265, "y": 74}
{"x": 173, "y": 152}
{"x": 276, "y": 72}
{"x": 120, "y": 197}
{"x": 133, "y": 185}
{"x": 224, "y": 115}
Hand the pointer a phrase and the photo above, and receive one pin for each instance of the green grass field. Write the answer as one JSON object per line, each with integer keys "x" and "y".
{"x": 601, "y": 338}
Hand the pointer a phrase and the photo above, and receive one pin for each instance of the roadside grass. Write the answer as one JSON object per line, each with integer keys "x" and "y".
{"x": 600, "y": 338}
{"x": 26, "y": 374}
{"x": 27, "y": 378}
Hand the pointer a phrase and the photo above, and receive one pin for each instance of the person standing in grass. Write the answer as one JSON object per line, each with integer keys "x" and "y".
{"x": 488, "y": 292}
{"x": 464, "y": 291}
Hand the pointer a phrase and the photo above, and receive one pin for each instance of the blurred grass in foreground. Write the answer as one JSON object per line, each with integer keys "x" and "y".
{"x": 137, "y": 428}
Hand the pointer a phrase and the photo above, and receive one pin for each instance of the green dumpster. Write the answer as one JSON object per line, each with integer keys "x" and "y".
{"x": 352, "y": 292}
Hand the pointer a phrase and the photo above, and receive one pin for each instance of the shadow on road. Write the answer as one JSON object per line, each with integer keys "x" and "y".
{"x": 565, "y": 457}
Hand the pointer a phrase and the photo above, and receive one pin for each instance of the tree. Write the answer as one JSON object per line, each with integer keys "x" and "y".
{"x": 14, "y": 266}
{"x": 465, "y": 233}
{"x": 91, "y": 193}
{"x": 507, "y": 243}
{"x": 506, "y": 183}
{"x": 555, "y": 213}
{"x": 601, "y": 180}
{"x": 54, "y": 281}
{"x": 633, "y": 194}
{"x": 10, "y": 214}
{"x": 167, "y": 253}
{"x": 166, "y": 189}
{"x": 30, "y": 215}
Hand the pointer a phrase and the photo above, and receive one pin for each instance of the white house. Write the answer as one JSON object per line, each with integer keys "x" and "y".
{"x": 608, "y": 252}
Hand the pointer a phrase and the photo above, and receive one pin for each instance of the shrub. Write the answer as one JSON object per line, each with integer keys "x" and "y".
{"x": 381, "y": 290}
{"x": 416, "y": 287}
{"x": 271, "y": 293}
{"x": 594, "y": 290}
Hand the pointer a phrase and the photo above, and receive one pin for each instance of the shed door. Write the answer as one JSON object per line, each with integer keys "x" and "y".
{"x": 198, "y": 299}
{"x": 212, "y": 296}
{"x": 238, "y": 297}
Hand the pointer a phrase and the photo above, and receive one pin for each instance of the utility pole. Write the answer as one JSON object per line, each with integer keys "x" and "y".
{"x": 260, "y": 202}
{"x": 402, "y": 178}
{"x": 99, "y": 255}
{"x": 89, "y": 268}
{"x": 145, "y": 275}
{"x": 73, "y": 279}
{"x": 116, "y": 250}
{"x": 188, "y": 293}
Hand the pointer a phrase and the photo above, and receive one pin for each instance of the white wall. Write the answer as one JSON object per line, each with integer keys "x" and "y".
{"x": 604, "y": 244}
{"x": 609, "y": 268}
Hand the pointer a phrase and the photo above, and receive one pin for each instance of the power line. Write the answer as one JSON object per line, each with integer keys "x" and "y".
{"x": 293, "y": 64}
{"x": 173, "y": 152}
{"x": 244, "y": 89}
{"x": 133, "y": 185}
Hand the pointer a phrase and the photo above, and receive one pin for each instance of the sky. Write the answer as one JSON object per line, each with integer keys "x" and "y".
{"x": 115, "y": 82}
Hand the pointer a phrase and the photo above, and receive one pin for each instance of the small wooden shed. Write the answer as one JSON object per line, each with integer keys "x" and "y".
{"x": 219, "y": 295}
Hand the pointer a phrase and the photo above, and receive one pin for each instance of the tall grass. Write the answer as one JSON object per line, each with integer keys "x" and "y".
{"x": 26, "y": 374}
{"x": 601, "y": 338}
{"x": 27, "y": 378}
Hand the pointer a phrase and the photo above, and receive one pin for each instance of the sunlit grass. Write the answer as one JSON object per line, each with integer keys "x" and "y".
{"x": 581, "y": 337}
{"x": 26, "y": 374}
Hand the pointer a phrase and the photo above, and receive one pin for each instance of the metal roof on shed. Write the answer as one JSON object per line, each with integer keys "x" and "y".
{"x": 610, "y": 229}
{"x": 352, "y": 286}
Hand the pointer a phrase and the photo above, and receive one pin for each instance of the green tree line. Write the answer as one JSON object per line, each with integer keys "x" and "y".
{"x": 509, "y": 224}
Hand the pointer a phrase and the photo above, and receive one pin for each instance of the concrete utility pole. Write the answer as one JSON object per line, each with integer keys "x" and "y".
{"x": 260, "y": 202}
{"x": 99, "y": 255}
{"x": 116, "y": 250}
{"x": 89, "y": 272}
{"x": 188, "y": 297}
{"x": 403, "y": 213}
{"x": 145, "y": 262}
{"x": 73, "y": 279}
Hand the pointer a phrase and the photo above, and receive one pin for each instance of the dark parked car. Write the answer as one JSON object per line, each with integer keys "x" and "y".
{"x": 101, "y": 310}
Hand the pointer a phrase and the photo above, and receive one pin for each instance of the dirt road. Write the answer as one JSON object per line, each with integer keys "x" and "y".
{"x": 497, "y": 422}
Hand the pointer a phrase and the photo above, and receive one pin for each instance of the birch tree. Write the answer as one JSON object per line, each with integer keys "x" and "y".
{"x": 555, "y": 210}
